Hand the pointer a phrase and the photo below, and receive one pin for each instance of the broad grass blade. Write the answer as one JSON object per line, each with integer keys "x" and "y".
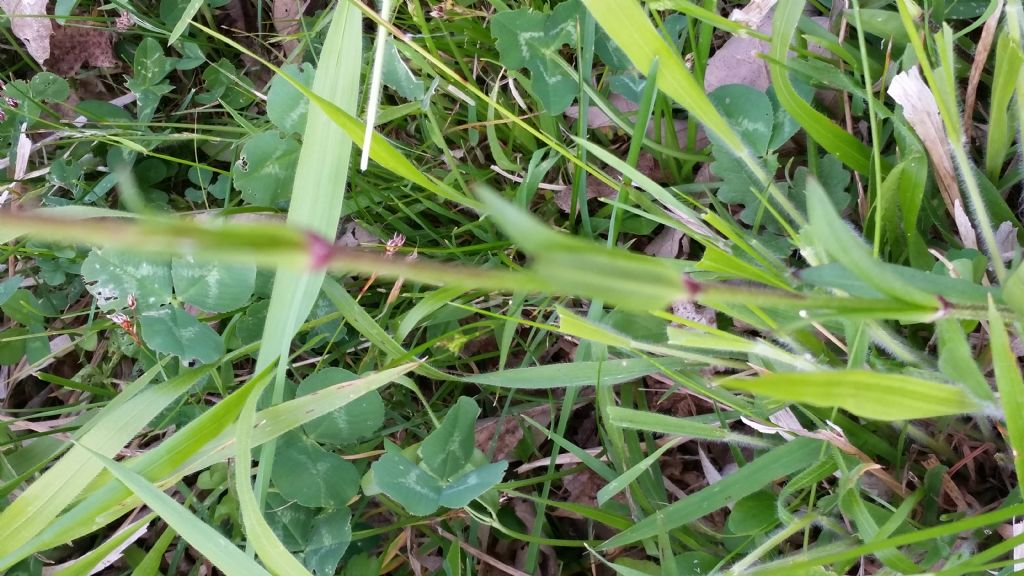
{"x": 839, "y": 142}
{"x": 1011, "y": 387}
{"x": 665, "y": 424}
{"x": 874, "y": 395}
{"x": 115, "y": 425}
{"x": 834, "y": 235}
{"x": 203, "y": 537}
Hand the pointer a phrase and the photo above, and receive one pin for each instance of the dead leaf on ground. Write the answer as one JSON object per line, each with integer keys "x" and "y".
{"x": 33, "y": 29}
{"x": 688, "y": 310}
{"x": 1012, "y": 530}
{"x": 583, "y": 487}
{"x": 646, "y": 165}
{"x": 737, "y": 61}
{"x": 75, "y": 46}
{"x": 666, "y": 244}
{"x": 286, "y": 14}
{"x": 511, "y": 431}
{"x": 597, "y": 118}
{"x": 239, "y": 19}
{"x": 352, "y": 235}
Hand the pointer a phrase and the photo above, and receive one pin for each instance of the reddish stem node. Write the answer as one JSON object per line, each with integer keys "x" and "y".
{"x": 320, "y": 251}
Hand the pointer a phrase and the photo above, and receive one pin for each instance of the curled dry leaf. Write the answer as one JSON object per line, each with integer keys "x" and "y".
{"x": 753, "y": 13}
{"x": 75, "y": 46}
{"x": 30, "y": 24}
{"x": 988, "y": 34}
{"x": 21, "y": 153}
{"x": 833, "y": 435}
{"x": 921, "y": 110}
{"x": 1006, "y": 240}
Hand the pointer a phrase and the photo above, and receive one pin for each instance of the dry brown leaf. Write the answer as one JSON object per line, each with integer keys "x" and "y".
{"x": 34, "y": 29}
{"x": 511, "y": 431}
{"x": 988, "y": 33}
{"x": 921, "y": 110}
{"x": 75, "y": 46}
{"x": 833, "y": 435}
{"x": 597, "y": 118}
{"x": 286, "y": 14}
{"x": 737, "y": 61}
{"x": 948, "y": 486}
{"x": 666, "y": 244}
{"x": 583, "y": 487}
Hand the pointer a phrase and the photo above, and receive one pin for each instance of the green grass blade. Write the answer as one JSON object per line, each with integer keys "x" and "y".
{"x": 774, "y": 464}
{"x": 182, "y": 23}
{"x": 203, "y": 537}
{"x": 665, "y": 424}
{"x": 956, "y": 359}
{"x": 1004, "y": 81}
{"x": 260, "y": 536}
{"x": 40, "y": 503}
{"x": 839, "y": 142}
{"x": 627, "y": 24}
{"x": 691, "y": 221}
{"x": 102, "y": 497}
{"x": 203, "y": 442}
{"x": 578, "y": 266}
{"x": 150, "y": 564}
{"x": 835, "y": 236}
{"x": 381, "y": 151}
{"x": 570, "y": 374}
{"x": 321, "y": 177}
{"x": 620, "y": 483}
{"x": 945, "y": 91}
{"x": 89, "y": 563}
{"x": 874, "y": 395}
{"x": 1011, "y": 387}
{"x": 368, "y": 327}
{"x": 799, "y": 563}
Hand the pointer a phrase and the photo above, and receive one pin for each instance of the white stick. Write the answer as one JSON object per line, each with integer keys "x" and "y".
{"x": 373, "y": 100}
